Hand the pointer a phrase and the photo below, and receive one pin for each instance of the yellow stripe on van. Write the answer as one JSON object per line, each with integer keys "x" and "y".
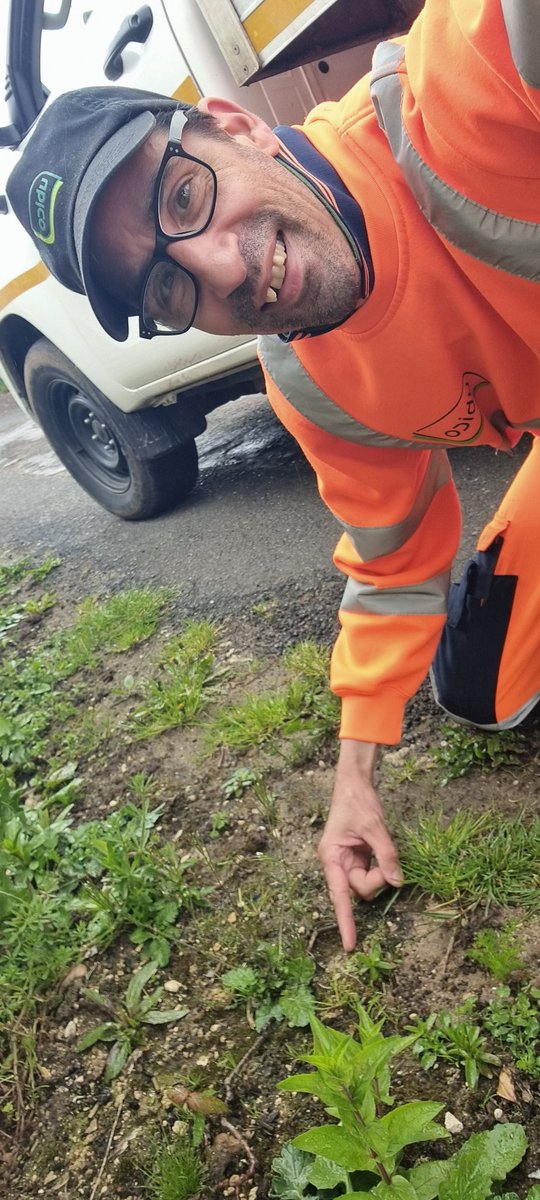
{"x": 270, "y": 19}
{"x": 188, "y": 92}
{"x": 22, "y": 283}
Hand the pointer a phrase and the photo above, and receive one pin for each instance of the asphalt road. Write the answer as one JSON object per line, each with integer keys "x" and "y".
{"x": 254, "y": 524}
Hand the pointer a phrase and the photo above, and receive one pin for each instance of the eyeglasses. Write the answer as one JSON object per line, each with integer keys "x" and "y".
{"x": 183, "y": 206}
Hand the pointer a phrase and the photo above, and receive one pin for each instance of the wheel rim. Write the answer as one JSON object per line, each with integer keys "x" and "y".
{"x": 90, "y": 438}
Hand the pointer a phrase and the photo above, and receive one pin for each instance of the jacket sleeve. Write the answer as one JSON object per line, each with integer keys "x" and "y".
{"x": 400, "y": 512}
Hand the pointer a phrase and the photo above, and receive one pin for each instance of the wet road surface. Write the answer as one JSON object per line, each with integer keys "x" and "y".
{"x": 253, "y": 525}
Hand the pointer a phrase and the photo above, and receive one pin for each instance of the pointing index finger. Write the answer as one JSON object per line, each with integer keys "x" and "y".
{"x": 340, "y": 896}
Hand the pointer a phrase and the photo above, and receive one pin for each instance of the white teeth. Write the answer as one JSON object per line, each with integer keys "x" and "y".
{"x": 279, "y": 259}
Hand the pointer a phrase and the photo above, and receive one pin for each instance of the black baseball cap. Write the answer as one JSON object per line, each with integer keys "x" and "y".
{"x": 78, "y": 143}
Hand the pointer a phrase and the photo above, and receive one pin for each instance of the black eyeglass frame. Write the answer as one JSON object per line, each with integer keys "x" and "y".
{"x": 173, "y": 149}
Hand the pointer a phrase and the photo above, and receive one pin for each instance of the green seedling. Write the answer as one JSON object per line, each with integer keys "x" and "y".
{"x": 462, "y": 749}
{"x": 497, "y": 951}
{"x": 264, "y": 609}
{"x": 276, "y": 988}
{"x": 125, "y": 1027}
{"x": 178, "y": 1172}
{"x": 220, "y": 822}
{"x": 361, "y": 1152}
{"x": 241, "y": 781}
{"x": 451, "y": 1037}
{"x": 371, "y": 963}
{"x": 514, "y": 1022}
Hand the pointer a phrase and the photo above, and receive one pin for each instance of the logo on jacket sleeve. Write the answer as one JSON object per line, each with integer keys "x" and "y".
{"x": 463, "y": 422}
{"x": 41, "y": 201}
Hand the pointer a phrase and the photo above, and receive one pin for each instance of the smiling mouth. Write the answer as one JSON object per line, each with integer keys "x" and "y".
{"x": 279, "y": 260}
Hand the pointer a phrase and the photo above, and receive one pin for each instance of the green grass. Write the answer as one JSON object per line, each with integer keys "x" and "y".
{"x": 305, "y": 710}
{"x": 188, "y": 680}
{"x": 178, "y": 1172}
{"x": 485, "y": 859}
{"x": 32, "y": 683}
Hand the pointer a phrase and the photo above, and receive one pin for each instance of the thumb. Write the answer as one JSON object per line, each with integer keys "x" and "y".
{"x": 388, "y": 860}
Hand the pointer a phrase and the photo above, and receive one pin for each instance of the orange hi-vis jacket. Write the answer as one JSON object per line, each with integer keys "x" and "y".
{"x": 440, "y": 146}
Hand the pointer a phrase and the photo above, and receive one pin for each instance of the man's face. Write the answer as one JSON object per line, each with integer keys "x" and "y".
{"x": 263, "y": 215}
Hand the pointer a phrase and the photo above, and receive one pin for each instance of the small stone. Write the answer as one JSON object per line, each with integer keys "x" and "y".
{"x": 452, "y": 1123}
{"x": 232, "y": 918}
{"x": 498, "y": 1114}
{"x": 70, "y": 1030}
{"x": 203, "y": 1060}
{"x": 172, "y": 985}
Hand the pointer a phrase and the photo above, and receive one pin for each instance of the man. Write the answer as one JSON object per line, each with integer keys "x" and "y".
{"x": 393, "y": 245}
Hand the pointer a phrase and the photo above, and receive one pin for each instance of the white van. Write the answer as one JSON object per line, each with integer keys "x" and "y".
{"x": 123, "y": 417}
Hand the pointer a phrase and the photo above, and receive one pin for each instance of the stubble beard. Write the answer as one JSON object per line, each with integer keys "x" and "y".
{"x": 331, "y": 288}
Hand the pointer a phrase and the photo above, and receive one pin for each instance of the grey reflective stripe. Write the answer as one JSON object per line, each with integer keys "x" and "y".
{"x": 522, "y": 20}
{"x": 419, "y": 599}
{"x": 503, "y": 242}
{"x": 525, "y": 424}
{"x": 372, "y": 542}
{"x": 303, "y": 394}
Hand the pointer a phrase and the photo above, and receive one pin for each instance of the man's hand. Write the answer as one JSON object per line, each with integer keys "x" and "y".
{"x": 355, "y": 832}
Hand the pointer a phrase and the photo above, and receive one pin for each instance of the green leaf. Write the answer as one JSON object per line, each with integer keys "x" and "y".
{"x": 326, "y": 1174}
{"x": 138, "y": 982}
{"x": 534, "y": 1193}
{"x": 335, "y": 1143}
{"x": 163, "y": 1018}
{"x": 297, "y": 1004}
{"x": 290, "y": 1173}
{"x": 243, "y": 980}
{"x": 101, "y": 1033}
{"x": 96, "y": 998}
{"x": 411, "y": 1123}
{"x": 117, "y": 1059}
{"x": 426, "y": 1178}
{"x": 309, "y": 1081}
{"x": 399, "y": 1189}
{"x": 484, "y": 1158}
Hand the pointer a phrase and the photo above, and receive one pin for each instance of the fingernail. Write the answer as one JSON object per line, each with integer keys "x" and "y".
{"x": 397, "y": 879}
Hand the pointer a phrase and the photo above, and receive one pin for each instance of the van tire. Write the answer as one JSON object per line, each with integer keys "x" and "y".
{"x": 88, "y": 434}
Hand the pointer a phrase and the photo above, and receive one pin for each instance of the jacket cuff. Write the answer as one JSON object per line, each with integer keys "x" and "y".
{"x": 369, "y": 719}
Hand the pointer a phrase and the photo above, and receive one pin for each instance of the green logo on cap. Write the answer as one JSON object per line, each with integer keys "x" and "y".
{"x": 41, "y": 202}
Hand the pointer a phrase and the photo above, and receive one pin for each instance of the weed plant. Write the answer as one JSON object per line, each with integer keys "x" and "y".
{"x": 178, "y": 1171}
{"x": 305, "y": 709}
{"x": 513, "y": 1021}
{"x": 188, "y": 681}
{"x": 361, "y": 1151}
{"x": 33, "y": 699}
{"x": 125, "y": 1026}
{"x": 454, "y": 1038}
{"x": 462, "y": 749}
{"x": 276, "y": 987}
{"x": 68, "y": 888}
{"x": 240, "y": 781}
{"x": 498, "y": 951}
{"x": 485, "y": 859}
